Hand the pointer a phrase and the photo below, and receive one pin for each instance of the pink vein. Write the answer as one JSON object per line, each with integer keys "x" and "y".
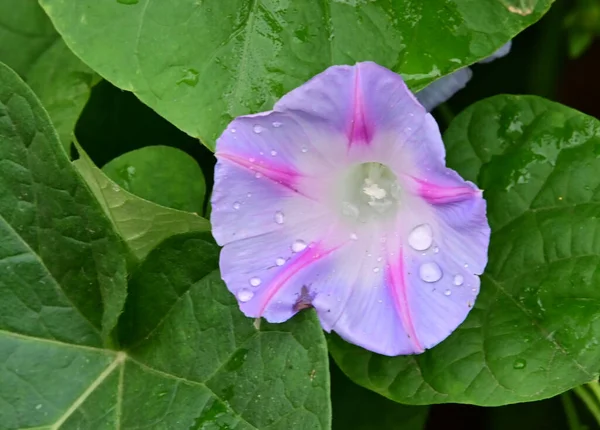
{"x": 399, "y": 294}
{"x": 282, "y": 176}
{"x": 309, "y": 256}
{"x": 439, "y": 195}
{"x": 358, "y": 129}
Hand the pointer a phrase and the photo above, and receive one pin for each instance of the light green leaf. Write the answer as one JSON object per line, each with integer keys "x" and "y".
{"x": 194, "y": 361}
{"x": 141, "y": 223}
{"x": 161, "y": 174}
{"x": 61, "y": 262}
{"x": 534, "y": 330}
{"x": 29, "y": 45}
{"x": 202, "y": 63}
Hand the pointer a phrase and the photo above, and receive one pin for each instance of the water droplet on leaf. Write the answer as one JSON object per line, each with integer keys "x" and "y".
{"x": 519, "y": 364}
{"x": 190, "y": 77}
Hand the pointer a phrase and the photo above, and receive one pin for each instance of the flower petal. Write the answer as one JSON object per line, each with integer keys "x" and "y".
{"x": 501, "y": 52}
{"x": 444, "y": 88}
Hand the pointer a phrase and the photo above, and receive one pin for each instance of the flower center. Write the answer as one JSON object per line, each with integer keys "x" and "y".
{"x": 370, "y": 190}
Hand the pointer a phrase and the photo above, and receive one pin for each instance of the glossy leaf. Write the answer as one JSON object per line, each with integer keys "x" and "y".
{"x": 141, "y": 223}
{"x": 534, "y": 330}
{"x": 200, "y": 64}
{"x": 161, "y": 174}
{"x": 61, "y": 262}
{"x": 29, "y": 45}
{"x": 192, "y": 361}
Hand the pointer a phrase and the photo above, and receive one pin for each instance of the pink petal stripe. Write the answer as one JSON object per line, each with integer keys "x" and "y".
{"x": 286, "y": 177}
{"x": 358, "y": 134}
{"x": 397, "y": 284}
{"x": 440, "y": 195}
{"x": 311, "y": 255}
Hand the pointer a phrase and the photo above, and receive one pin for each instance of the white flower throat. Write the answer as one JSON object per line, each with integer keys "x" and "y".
{"x": 370, "y": 190}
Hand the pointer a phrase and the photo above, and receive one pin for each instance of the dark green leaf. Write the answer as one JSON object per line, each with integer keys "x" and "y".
{"x": 200, "y": 64}
{"x": 193, "y": 361}
{"x": 141, "y": 223}
{"x": 29, "y": 44}
{"x": 356, "y": 408}
{"x": 161, "y": 174}
{"x": 62, "y": 264}
{"x": 534, "y": 330}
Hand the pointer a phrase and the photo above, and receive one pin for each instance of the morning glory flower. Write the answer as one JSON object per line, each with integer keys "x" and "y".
{"x": 339, "y": 199}
{"x": 444, "y": 88}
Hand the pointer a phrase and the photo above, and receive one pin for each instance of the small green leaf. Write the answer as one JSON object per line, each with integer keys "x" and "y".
{"x": 62, "y": 264}
{"x": 202, "y": 63}
{"x": 534, "y": 330}
{"x": 161, "y": 174}
{"x": 199, "y": 363}
{"x": 141, "y": 223}
{"x": 29, "y": 45}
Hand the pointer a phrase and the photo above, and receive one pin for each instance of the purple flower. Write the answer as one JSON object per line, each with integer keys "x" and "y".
{"x": 339, "y": 199}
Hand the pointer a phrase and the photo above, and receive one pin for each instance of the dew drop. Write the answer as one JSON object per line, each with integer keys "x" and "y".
{"x": 458, "y": 280}
{"x": 466, "y": 266}
{"x": 190, "y": 77}
{"x": 258, "y": 175}
{"x": 276, "y": 124}
{"x": 298, "y": 245}
{"x": 430, "y": 272}
{"x": 421, "y": 237}
{"x": 519, "y": 364}
{"x": 376, "y": 269}
{"x": 350, "y": 210}
{"x": 447, "y": 293}
{"x": 233, "y": 130}
{"x": 273, "y": 153}
{"x": 252, "y": 160}
{"x": 244, "y": 295}
{"x": 436, "y": 249}
{"x": 279, "y": 217}
{"x": 353, "y": 236}
{"x": 304, "y": 149}
{"x": 255, "y": 282}
{"x": 236, "y": 205}
{"x": 280, "y": 261}
{"x": 249, "y": 195}
{"x": 257, "y": 129}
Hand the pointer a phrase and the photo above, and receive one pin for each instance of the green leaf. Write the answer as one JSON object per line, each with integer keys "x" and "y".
{"x": 141, "y": 223}
{"x": 193, "y": 361}
{"x": 200, "y": 64}
{"x": 61, "y": 262}
{"x": 29, "y": 45}
{"x": 534, "y": 330}
{"x": 356, "y": 408}
{"x": 161, "y": 174}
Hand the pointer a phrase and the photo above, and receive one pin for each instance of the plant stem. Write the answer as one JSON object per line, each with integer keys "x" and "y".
{"x": 571, "y": 412}
{"x": 589, "y": 401}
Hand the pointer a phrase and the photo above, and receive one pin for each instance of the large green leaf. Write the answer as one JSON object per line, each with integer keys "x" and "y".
{"x": 161, "y": 174}
{"x": 141, "y": 223}
{"x": 202, "y": 63}
{"x": 31, "y": 47}
{"x": 534, "y": 330}
{"x": 192, "y": 360}
{"x": 61, "y": 262}
{"x": 356, "y": 408}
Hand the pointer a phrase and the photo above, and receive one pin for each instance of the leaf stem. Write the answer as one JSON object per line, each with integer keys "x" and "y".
{"x": 589, "y": 401}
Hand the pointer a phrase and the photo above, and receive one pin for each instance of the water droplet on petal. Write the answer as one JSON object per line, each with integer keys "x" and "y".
{"x": 436, "y": 249}
{"x": 421, "y": 237}
{"x": 233, "y": 130}
{"x": 376, "y": 269}
{"x": 304, "y": 149}
{"x": 458, "y": 280}
{"x": 279, "y": 217}
{"x": 257, "y": 129}
{"x": 276, "y": 124}
{"x": 244, "y": 295}
{"x": 447, "y": 292}
{"x": 430, "y": 272}
{"x": 252, "y": 160}
{"x": 258, "y": 175}
{"x": 350, "y": 210}
{"x": 273, "y": 153}
{"x": 280, "y": 261}
{"x": 249, "y": 195}
{"x": 466, "y": 266}
{"x": 298, "y": 245}
{"x": 353, "y": 236}
{"x": 236, "y": 205}
{"x": 255, "y": 282}
{"x": 519, "y": 364}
